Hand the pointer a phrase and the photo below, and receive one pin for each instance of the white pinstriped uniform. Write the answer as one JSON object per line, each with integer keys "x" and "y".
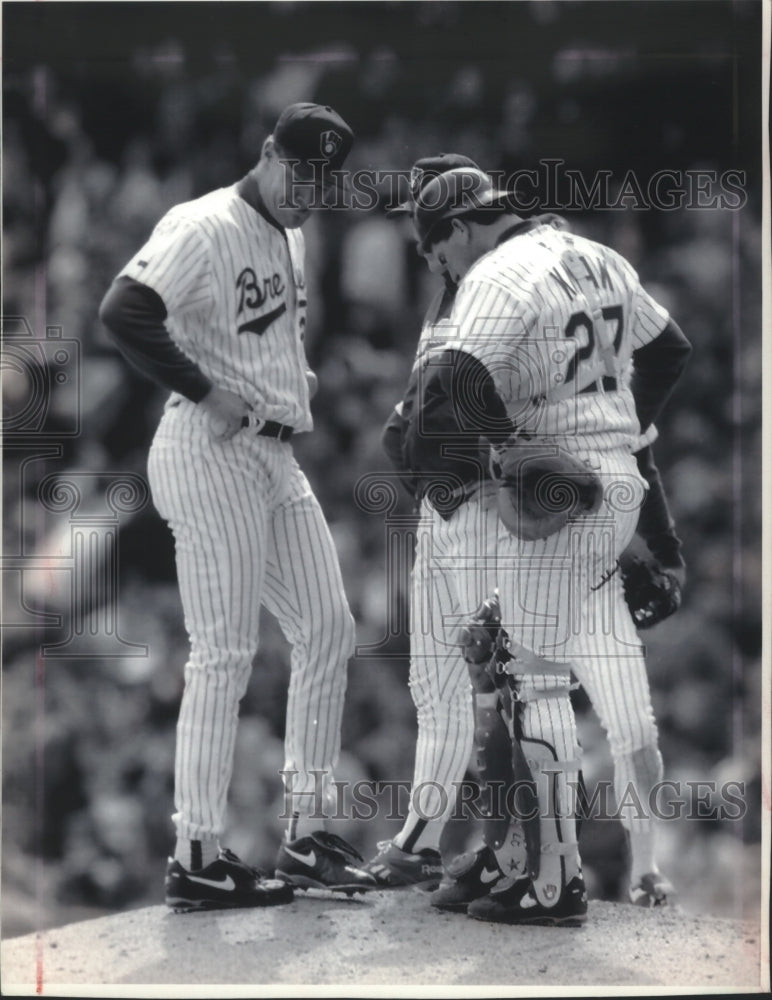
{"x": 441, "y": 598}
{"x": 551, "y": 315}
{"x": 513, "y": 318}
{"x": 514, "y": 310}
{"x": 220, "y": 269}
{"x": 248, "y": 529}
{"x": 454, "y": 568}
{"x": 607, "y": 658}
{"x": 606, "y": 654}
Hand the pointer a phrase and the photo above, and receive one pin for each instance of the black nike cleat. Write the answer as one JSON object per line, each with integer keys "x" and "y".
{"x": 513, "y": 901}
{"x": 226, "y": 883}
{"x": 468, "y": 877}
{"x": 322, "y": 861}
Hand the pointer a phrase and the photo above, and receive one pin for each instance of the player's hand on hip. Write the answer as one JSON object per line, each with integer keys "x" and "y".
{"x": 225, "y": 410}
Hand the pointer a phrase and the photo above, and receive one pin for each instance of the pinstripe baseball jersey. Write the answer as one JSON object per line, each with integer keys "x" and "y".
{"x": 555, "y": 319}
{"x": 234, "y": 287}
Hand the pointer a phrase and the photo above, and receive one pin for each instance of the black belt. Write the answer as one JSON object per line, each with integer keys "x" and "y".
{"x": 268, "y": 428}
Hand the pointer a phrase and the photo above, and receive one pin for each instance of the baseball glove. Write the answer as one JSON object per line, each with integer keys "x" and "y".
{"x": 651, "y": 592}
{"x": 539, "y": 492}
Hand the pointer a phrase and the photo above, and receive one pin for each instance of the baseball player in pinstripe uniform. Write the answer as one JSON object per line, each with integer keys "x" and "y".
{"x": 439, "y": 680}
{"x": 213, "y": 307}
{"x": 510, "y": 329}
{"x": 610, "y": 665}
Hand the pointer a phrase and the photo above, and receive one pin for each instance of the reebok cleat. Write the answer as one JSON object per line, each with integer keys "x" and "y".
{"x": 394, "y": 868}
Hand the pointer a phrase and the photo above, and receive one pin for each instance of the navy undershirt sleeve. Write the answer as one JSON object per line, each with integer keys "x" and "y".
{"x": 655, "y": 523}
{"x": 135, "y": 316}
{"x": 656, "y": 368}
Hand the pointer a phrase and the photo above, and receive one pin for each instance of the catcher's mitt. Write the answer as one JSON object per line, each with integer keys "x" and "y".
{"x": 652, "y": 593}
{"x": 539, "y": 492}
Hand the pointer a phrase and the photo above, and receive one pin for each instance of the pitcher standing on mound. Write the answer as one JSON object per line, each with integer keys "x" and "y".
{"x": 213, "y": 307}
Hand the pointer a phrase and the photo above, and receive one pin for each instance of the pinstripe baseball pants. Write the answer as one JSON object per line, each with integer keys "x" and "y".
{"x": 248, "y": 531}
{"x": 608, "y": 660}
{"x": 548, "y": 604}
{"x": 545, "y": 586}
{"x": 454, "y": 569}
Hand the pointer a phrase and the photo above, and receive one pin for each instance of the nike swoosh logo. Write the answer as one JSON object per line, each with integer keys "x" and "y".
{"x": 227, "y": 884}
{"x": 261, "y": 323}
{"x": 487, "y": 876}
{"x": 306, "y": 859}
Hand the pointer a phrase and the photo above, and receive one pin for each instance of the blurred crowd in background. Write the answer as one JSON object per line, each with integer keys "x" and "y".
{"x": 110, "y": 117}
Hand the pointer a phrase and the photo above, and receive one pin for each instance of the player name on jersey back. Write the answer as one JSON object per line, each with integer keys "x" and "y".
{"x": 555, "y": 318}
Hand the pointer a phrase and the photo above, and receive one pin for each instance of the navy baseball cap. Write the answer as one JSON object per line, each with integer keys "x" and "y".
{"x": 452, "y": 194}
{"x": 318, "y": 138}
{"x": 425, "y": 170}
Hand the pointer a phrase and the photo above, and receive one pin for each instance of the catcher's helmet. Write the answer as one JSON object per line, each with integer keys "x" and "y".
{"x": 425, "y": 170}
{"x": 452, "y": 194}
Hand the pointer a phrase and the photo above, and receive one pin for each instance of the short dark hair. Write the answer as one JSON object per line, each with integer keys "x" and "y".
{"x": 484, "y": 216}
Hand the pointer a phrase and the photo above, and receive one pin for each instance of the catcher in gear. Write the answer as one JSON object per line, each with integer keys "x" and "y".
{"x": 485, "y": 646}
{"x": 439, "y": 697}
{"x": 550, "y": 336}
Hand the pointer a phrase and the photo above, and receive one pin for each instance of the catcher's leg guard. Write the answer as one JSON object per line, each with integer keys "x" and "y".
{"x": 480, "y": 642}
{"x": 493, "y": 744}
{"x": 504, "y": 773}
{"x": 546, "y": 729}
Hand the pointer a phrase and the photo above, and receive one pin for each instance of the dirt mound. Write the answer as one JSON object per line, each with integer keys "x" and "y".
{"x": 382, "y": 941}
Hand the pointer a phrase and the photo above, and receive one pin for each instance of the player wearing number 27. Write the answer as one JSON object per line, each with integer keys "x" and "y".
{"x": 213, "y": 307}
{"x": 552, "y": 348}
